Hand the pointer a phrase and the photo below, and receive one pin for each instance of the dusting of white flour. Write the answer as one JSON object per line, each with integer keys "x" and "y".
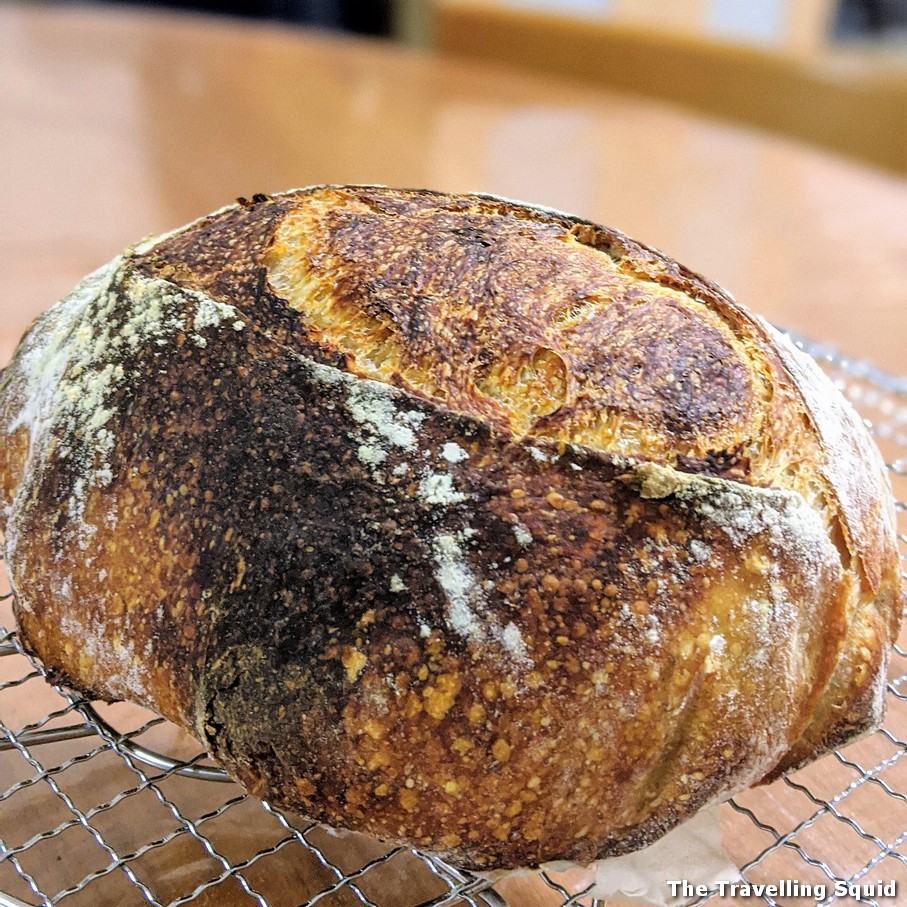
{"x": 467, "y": 607}
{"x": 83, "y": 349}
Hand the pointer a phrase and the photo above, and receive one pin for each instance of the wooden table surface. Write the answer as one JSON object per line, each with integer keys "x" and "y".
{"x": 117, "y": 124}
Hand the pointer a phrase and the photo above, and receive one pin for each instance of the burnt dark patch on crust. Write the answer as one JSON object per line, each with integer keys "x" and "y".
{"x": 222, "y": 254}
{"x": 726, "y": 464}
{"x": 223, "y": 257}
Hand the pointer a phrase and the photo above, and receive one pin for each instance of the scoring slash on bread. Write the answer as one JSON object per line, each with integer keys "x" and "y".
{"x": 443, "y": 518}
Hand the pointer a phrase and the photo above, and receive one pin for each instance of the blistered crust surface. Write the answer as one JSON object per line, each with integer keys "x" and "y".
{"x": 520, "y": 321}
{"x": 419, "y": 606}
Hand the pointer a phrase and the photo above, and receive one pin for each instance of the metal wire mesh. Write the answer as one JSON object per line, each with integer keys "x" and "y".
{"x": 111, "y": 805}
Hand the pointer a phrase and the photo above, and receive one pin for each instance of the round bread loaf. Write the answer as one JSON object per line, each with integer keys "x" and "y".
{"x": 463, "y": 523}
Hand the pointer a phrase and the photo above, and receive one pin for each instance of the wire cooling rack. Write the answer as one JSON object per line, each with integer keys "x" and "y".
{"x": 110, "y": 805}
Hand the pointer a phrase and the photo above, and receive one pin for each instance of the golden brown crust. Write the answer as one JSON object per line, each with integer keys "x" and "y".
{"x": 451, "y": 520}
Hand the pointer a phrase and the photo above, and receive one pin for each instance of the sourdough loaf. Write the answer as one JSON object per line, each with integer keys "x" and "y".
{"x": 455, "y": 521}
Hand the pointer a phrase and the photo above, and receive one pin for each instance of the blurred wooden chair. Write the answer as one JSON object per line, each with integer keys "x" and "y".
{"x": 766, "y": 64}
